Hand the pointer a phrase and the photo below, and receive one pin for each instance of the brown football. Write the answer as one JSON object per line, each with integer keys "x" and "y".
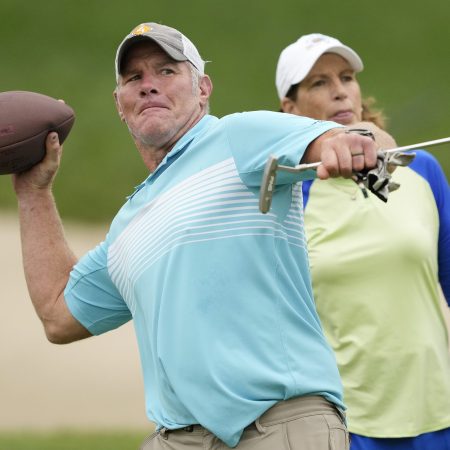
{"x": 26, "y": 118}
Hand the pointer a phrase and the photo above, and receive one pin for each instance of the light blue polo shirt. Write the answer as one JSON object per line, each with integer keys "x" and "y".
{"x": 219, "y": 293}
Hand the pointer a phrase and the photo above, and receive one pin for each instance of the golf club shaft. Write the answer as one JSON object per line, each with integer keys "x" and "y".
{"x": 302, "y": 167}
{"x": 419, "y": 145}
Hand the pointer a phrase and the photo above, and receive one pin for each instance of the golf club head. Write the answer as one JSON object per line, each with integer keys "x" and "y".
{"x": 401, "y": 159}
{"x": 268, "y": 184}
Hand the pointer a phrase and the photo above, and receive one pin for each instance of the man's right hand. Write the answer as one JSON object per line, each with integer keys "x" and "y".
{"x": 40, "y": 177}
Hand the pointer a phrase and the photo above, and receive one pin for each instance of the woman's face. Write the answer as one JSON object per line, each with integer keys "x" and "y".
{"x": 329, "y": 92}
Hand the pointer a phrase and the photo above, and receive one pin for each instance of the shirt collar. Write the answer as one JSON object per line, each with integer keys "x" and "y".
{"x": 201, "y": 125}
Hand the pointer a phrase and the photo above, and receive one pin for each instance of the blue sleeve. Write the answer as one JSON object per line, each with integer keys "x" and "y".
{"x": 306, "y": 187}
{"x": 91, "y": 296}
{"x": 254, "y": 136}
{"x": 427, "y": 166}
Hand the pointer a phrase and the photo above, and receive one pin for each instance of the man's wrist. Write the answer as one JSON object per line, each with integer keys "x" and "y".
{"x": 361, "y": 132}
{"x": 312, "y": 153}
{"x": 33, "y": 196}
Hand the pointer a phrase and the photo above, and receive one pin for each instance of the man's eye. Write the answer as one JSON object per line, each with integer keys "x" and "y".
{"x": 167, "y": 71}
{"x": 133, "y": 78}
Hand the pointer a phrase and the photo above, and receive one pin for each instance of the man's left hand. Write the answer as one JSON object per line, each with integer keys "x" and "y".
{"x": 341, "y": 153}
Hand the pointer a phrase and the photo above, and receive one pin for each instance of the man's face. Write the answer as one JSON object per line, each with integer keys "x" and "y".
{"x": 329, "y": 92}
{"x": 159, "y": 98}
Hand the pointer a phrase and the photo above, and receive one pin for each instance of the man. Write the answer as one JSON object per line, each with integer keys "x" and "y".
{"x": 231, "y": 346}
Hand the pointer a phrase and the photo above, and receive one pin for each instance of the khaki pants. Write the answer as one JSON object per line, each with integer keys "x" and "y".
{"x": 303, "y": 423}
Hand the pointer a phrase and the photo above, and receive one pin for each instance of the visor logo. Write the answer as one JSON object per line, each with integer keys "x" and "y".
{"x": 141, "y": 29}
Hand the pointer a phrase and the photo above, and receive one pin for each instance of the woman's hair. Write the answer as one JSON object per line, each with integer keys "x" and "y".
{"x": 369, "y": 114}
{"x": 373, "y": 115}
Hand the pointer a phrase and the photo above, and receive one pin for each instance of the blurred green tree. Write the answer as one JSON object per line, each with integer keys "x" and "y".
{"x": 66, "y": 49}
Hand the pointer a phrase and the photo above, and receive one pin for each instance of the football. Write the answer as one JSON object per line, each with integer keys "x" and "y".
{"x": 26, "y": 118}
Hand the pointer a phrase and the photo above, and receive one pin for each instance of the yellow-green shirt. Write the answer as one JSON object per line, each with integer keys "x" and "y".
{"x": 374, "y": 271}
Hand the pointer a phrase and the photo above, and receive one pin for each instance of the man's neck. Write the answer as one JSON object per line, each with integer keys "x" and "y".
{"x": 152, "y": 155}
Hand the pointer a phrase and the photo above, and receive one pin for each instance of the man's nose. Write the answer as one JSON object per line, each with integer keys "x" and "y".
{"x": 148, "y": 86}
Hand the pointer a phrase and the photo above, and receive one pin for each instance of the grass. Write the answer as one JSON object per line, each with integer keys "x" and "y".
{"x": 72, "y": 440}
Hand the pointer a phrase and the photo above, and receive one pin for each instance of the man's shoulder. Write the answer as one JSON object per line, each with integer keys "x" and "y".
{"x": 260, "y": 115}
{"x": 254, "y": 120}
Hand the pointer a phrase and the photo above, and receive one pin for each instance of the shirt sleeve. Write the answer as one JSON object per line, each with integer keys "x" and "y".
{"x": 91, "y": 296}
{"x": 428, "y": 167}
{"x": 254, "y": 136}
{"x": 306, "y": 187}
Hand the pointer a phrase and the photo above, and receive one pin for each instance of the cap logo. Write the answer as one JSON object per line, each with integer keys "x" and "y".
{"x": 141, "y": 29}
{"x": 315, "y": 40}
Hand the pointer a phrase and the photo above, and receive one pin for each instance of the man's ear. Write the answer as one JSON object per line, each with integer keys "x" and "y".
{"x": 118, "y": 107}
{"x": 206, "y": 88}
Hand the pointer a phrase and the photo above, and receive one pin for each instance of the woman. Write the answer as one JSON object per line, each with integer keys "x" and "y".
{"x": 376, "y": 266}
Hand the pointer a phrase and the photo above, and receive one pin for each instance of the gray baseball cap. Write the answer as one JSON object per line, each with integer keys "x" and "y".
{"x": 174, "y": 43}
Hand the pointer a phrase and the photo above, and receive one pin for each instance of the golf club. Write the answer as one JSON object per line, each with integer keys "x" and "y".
{"x": 269, "y": 176}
